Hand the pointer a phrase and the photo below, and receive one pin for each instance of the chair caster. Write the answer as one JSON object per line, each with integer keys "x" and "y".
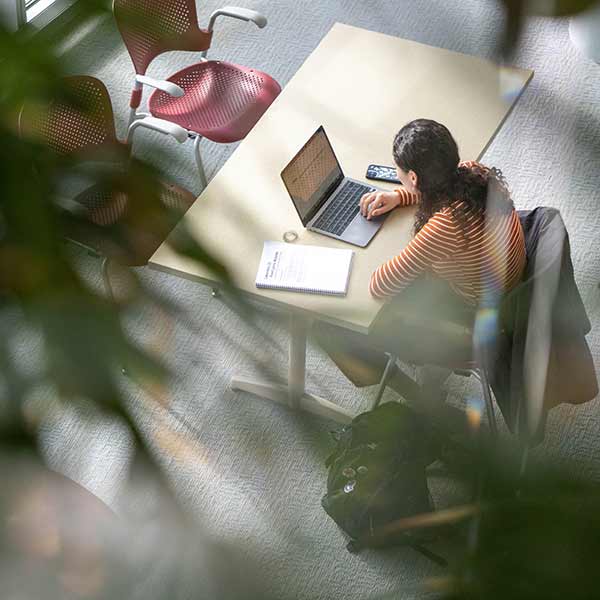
{"x": 215, "y": 293}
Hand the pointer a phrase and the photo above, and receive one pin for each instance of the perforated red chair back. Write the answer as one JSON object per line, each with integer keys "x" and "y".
{"x": 150, "y": 27}
{"x": 80, "y": 120}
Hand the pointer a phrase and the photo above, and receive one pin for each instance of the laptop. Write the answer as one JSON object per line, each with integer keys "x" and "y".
{"x": 326, "y": 201}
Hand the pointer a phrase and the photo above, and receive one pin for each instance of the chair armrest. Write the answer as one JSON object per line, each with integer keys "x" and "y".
{"x": 245, "y": 14}
{"x": 160, "y": 125}
{"x": 160, "y": 84}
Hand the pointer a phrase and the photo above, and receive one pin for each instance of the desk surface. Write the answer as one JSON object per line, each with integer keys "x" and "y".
{"x": 362, "y": 86}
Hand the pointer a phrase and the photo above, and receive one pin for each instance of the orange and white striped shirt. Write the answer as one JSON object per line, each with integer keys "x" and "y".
{"x": 477, "y": 258}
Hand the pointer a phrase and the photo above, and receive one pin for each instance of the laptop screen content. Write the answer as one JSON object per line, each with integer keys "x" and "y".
{"x": 311, "y": 175}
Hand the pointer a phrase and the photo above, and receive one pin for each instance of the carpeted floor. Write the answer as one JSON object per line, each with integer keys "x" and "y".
{"x": 251, "y": 473}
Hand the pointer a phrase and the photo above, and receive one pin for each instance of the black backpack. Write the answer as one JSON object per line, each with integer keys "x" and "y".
{"x": 377, "y": 475}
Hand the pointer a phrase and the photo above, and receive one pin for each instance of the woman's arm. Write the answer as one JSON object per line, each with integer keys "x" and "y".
{"x": 406, "y": 198}
{"x": 436, "y": 241}
{"x": 378, "y": 203}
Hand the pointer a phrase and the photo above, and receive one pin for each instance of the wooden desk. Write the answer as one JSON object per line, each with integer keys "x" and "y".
{"x": 362, "y": 87}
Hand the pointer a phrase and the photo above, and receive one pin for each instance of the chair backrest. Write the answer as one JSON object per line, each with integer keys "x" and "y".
{"x": 544, "y": 276}
{"x": 151, "y": 27}
{"x": 79, "y": 120}
{"x": 531, "y": 312}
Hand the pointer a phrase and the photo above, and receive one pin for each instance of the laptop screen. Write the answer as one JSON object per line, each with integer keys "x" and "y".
{"x": 312, "y": 175}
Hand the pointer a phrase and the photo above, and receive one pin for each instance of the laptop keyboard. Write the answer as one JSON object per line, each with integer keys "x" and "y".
{"x": 338, "y": 214}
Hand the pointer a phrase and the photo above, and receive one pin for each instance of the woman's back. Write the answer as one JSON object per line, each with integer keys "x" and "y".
{"x": 481, "y": 254}
{"x": 489, "y": 262}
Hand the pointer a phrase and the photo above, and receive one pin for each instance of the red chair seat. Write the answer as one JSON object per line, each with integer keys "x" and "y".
{"x": 222, "y": 101}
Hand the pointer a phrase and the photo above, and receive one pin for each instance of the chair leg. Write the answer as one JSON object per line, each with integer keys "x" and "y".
{"x": 524, "y": 461}
{"x": 522, "y": 469}
{"x": 481, "y": 375}
{"x": 132, "y": 117}
{"x": 109, "y": 290}
{"x": 136, "y": 97}
{"x": 481, "y": 477}
{"x": 106, "y": 279}
{"x": 199, "y": 164}
{"x": 384, "y": 379}
{"x": 489, "y": 402}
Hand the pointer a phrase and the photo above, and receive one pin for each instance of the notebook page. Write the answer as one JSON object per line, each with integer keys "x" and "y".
{"x": 304, "y": 268}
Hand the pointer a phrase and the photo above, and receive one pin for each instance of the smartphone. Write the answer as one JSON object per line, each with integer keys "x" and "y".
{"x": 382, "y": 173}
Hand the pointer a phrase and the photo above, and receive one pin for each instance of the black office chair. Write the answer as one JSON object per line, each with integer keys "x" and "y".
{"x": 511, "y": 347}
{"x": 541, "y": 326}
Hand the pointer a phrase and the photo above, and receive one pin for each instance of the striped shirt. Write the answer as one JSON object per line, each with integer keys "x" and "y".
{"x": 478, "y": 258}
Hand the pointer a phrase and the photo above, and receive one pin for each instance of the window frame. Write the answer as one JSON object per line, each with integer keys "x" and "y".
{"x": 17, "y": 11}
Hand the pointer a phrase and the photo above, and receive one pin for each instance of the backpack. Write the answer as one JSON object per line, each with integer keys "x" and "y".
{"x": 377, "y": 475}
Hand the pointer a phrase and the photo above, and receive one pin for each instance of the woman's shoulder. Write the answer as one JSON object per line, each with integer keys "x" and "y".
{"x": 447, "y": 215}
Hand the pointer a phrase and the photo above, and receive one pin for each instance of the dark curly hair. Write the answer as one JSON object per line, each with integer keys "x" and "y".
{"x": 428, "y": 148}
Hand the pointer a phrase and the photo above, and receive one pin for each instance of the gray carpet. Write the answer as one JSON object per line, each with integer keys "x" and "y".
{"x": 251, "y": 473}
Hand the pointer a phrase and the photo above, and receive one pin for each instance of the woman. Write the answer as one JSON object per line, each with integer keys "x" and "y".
{"x": 467, "y": 251}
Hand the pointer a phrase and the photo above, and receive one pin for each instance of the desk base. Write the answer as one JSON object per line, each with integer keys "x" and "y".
{"x": 280, "y": 393}
{"x": 294, "y": 394}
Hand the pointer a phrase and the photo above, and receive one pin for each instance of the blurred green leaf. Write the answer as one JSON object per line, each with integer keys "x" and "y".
{"x": 84, "y": 345}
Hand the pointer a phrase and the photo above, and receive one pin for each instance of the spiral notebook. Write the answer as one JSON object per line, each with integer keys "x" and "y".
{"x": 310, "y": 269}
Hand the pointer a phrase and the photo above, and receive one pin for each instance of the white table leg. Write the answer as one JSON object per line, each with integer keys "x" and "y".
{"x": 294, "y": 394}
{"x": 297, "y": 359}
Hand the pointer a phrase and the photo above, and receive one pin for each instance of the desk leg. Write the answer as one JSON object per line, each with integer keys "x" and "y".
{"x": 297, "y": 359}
{"x": 294, "y": 394}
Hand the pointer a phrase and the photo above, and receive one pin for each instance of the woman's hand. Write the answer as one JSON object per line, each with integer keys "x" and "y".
{"x": 374, "y": 204}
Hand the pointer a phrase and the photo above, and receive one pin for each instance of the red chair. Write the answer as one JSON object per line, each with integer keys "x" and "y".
{"x": 102, "y": 218}
{"x": 210, "y": 99}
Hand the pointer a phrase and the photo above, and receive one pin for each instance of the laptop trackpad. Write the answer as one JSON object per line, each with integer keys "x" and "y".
{"x": 360, "y": 231}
